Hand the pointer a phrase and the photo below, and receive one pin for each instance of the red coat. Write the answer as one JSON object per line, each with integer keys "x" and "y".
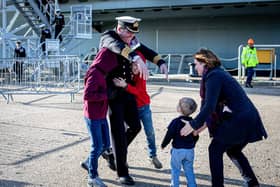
{"x": 95, "y": 91}
{"x": 139, "y": 90}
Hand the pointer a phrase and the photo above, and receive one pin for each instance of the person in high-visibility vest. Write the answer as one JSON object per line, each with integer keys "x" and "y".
{"x": 250, "y": 60}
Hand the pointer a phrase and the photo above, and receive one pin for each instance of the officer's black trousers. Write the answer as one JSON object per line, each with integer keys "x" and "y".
{"x": 18, "y": 69}
{"x": 216, "y": 151}
{"x": 57, "y": 30}
{"x": 125, "y": 125}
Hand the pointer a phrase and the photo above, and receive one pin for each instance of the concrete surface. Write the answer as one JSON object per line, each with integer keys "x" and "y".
{"x": 43, "y": 138}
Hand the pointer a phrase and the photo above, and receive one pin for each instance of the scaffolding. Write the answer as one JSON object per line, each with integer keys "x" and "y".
{"x": 40, "y": 70}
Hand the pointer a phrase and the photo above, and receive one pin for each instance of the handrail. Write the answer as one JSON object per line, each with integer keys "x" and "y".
{"x": 241, "y": 69}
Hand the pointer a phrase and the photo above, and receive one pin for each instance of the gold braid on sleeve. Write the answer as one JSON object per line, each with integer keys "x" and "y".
{"x": 156, "y": 59}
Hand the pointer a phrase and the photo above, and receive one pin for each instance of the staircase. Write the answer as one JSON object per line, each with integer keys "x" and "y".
{"x": 68, "y": 36}
{"x": 30, "y": 9}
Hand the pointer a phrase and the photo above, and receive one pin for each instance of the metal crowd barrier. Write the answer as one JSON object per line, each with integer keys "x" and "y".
{"x": 52, "y": 75}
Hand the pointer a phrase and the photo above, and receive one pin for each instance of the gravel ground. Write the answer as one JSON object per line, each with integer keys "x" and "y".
{"x": 43, "y": 138}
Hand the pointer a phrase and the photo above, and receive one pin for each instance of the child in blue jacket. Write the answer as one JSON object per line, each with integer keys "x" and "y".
{"x": 182, "y": 152}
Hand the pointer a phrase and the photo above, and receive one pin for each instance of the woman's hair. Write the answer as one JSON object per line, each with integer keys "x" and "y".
{"x": 208, "y": 58}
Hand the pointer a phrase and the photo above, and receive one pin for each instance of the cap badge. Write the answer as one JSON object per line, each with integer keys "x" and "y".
{"x": 136, "y": 24}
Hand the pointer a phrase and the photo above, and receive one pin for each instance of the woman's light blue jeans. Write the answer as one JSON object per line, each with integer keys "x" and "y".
{"x": 100, "y": 140}
{"x": 185, "y": 158}
{"x": 145, "y": 116}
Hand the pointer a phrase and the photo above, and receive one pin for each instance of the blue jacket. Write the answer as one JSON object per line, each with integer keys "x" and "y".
{"x": 173, "y": 133}
{"x": 244, "y": 124}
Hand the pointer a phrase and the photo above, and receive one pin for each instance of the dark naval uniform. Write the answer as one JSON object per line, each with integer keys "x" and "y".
{"x": 111, "y": 40}
{"x": 18, "y": 65}
{"x": 59, "y": 24}
{"x": 123, "y": 104}
{"x": 45, "y": 34}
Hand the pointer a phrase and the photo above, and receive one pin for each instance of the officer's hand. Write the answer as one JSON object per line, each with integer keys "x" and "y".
{"x": 163, "y": 69}
{"x": 143, "y": 70}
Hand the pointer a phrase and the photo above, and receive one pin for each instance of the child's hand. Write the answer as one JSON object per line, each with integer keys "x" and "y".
{"x": 120, "y": 82}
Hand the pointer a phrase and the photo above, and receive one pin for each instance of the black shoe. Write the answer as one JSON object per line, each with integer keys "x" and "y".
{"x": 248, "y": 85}
{"x": 155, "y": 161}
{"x": 109, "y": 157}
{"x": 84, "y": 165}
{"x": 128, "y": 180}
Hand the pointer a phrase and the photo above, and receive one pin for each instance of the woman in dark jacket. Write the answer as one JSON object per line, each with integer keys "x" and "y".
{"x": 232, "y": 119}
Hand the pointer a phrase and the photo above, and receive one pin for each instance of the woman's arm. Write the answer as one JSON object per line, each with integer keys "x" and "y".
{"x": 196, "y": 132}
{"x": 213, "y": 85}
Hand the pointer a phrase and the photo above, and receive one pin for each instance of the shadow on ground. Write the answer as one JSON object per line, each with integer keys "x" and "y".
{"x": 228, "y": 181}
{"x": 11, "y": 183}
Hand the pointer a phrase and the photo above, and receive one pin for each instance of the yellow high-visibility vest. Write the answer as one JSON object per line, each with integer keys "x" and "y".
{"x": 249, "y": 57}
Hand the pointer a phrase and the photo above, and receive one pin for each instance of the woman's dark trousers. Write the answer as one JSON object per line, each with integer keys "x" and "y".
{"x": 216, "y": 151}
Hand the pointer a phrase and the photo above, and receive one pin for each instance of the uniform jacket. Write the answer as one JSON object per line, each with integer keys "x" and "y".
{"x": 95, "y": 91}
{"x": 244, "y": 124}
{"x": 125, "y": 54}
{"x": 46, "y": 33}
{"x": 111, "y": 40}
{"x": 249, "y": 57}
{"x": 59, "y": 20}
{"x": 20, "y": 52}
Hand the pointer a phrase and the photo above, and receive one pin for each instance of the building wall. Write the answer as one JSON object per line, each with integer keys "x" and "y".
{"x": 223, "y": 35}
{"x": 187, "y": 30}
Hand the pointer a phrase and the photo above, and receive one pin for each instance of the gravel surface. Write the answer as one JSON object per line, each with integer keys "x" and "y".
{"x": 43, "y": 138}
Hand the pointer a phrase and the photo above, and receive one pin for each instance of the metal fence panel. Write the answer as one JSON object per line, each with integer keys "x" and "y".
{"x": 52, "y": 75}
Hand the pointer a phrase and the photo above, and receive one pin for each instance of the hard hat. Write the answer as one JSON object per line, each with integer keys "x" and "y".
{"x": 58, "y": 10}
{"x": 250, "y": 41}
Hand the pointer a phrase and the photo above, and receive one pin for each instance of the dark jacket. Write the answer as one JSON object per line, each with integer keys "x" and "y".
{"x": 244, "y": 124}
{"x": 59, "y": 20}
{"x": 45, "y": 34}
{"x": 20, "y": 52}
{"x": 125, "y": 54}
{"x": 173, "y": 133}
{"x": 111, "y": 40}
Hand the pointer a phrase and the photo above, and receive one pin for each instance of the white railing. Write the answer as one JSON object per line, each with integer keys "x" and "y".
{"x": 52, "y": 75}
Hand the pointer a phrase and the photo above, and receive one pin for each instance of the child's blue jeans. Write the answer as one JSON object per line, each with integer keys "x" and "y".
{"x": 145, "y": 116}
{"x": 185, "y": 158}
